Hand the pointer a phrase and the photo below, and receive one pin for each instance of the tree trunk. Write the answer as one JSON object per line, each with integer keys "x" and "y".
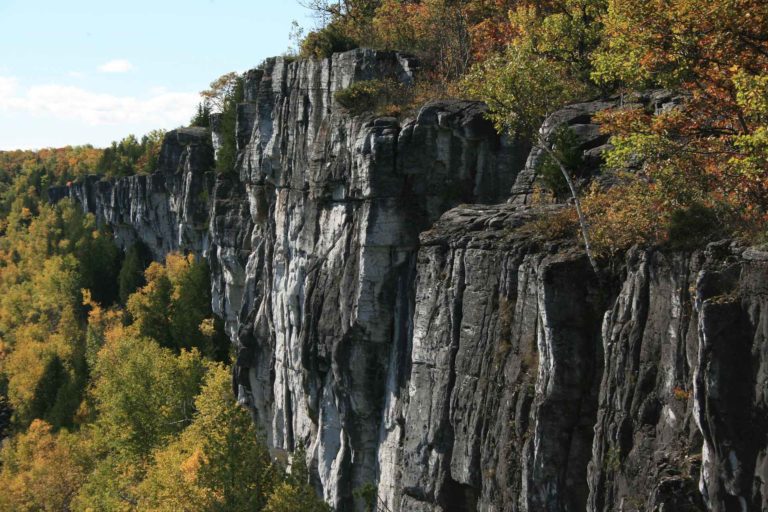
{"x": 575, "y": 196}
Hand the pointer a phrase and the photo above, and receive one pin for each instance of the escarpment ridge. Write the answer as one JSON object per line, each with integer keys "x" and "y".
{"x": 391, "y": 313}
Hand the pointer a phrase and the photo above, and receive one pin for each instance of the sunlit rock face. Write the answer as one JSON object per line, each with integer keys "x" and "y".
{"x": 392, "y": 314}
{"x": 317, "y": 284}
{"x": 168, "y": 209}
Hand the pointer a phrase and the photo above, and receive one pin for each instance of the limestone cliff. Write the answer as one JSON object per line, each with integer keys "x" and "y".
{"x": 392, "y": 313}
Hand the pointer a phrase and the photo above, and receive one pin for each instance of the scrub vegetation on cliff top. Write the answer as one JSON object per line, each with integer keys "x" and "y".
{"x": 526, "y": 59}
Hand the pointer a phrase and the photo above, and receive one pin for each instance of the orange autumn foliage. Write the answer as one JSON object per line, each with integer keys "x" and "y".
{"x": 712, "y": 149}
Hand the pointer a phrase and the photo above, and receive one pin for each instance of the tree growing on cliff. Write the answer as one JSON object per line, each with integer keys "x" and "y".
{"x": 202, "y": 117}
{"x": 132, "y": 156}
{"x": 521, "y": 89}
{"x": 222, "y": 98}
{"x": 220, "y": 92}
{"x": 567, "y": 32}
{"x": 438, "y": 31}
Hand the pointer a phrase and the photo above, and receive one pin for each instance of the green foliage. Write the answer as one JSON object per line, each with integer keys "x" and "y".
{"x": 99, "y": 260}
{"x": 343, "y": 26}
{"x": 109, "y": 485}
{"x": 710, "y": 150}
{"x": 149, "y": 307}
{"x": 238, "y": 468}
{"x": 520, "y": 89}
{"x": 295, "y": 492}
{"x": 437, "y": 31}
{"x": 749, "y": 164}
{"x": 53, "y": 378}
{"x": 368, "y": 493}
{"x": 567, "y": 32}
{"x": 131, "y": 156}
{"x": 220, "y": 91}
{"x": 565, "y": 145}
{"x": 217, "y": 464}
{"x": 226, "y": 157}
{"x": 131, "y": 276}
{"x": 371, "y": 96}
{"x": 693, "y": 227}
{"x": 324, "y": 42}
{"x": 58, "y": 392}
{"x": 202, "y": 117}
{"x": 143, "y": 394}
{"x": 41, "y": 470}
{"x": 174, "y": 308}
{"x": 191, "y": 322}
{"x": 145, "y": 435}
{"x": 50, "y": 166}
{"x": 629, "y": 213}
{"x": 560, "y": 225}
{"x": 289, "y": 497}
{"x": 221, "y": 99}
{"x": 42, "y": 347}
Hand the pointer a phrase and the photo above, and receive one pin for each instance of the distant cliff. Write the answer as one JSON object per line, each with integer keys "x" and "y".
{"x": 392, "y": 314}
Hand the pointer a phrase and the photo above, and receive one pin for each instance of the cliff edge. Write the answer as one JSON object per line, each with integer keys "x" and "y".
{"x": 392, "y": 314}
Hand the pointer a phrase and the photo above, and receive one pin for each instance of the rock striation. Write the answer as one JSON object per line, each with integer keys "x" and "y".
{"x": 166, "y": 210}
{"x": 397, "y": 316}
{"x": 534, "y": 386}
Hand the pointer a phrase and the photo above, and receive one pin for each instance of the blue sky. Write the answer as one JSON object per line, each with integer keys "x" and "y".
{"x": 83, "y": 71}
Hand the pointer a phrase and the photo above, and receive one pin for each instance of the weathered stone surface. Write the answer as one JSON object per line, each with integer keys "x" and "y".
{"x": 336, "y": 207}
{"x": 446, "y": 352}
{"x": 682, "y": 401}
{"x": 312, "y": 242}
{"x": 167, "y": 210}
{"x": 649, "y": 386}
{"x": 500, "y": 394}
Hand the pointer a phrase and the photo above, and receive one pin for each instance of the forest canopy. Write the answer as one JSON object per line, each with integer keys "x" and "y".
{"x": 115, "y": 401}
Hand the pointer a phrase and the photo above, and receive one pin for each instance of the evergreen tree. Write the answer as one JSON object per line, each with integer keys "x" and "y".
{"x": 219, "y": 463}
{"x": 131, "y": 276}
{"x": 202, "y": 117}
{"x": 226, "y": 157}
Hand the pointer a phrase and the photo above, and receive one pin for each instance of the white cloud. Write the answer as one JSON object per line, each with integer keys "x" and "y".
{"x": 159, "y": 108}
{"x": 116, "y": 66}
{"x": 158, "y": 90}
{"x": 8, "y": 86}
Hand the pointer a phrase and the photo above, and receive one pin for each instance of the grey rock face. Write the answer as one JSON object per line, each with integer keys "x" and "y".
{"x": 531, "y": 386}
{"x": 312, "y": 242}
{"x": 166, "y": 210}
{"x": 681, "y": 410}
{"x": 336, "y": 207}
{"x": 499, "y": 394}
{"x": 442, "y": 351}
